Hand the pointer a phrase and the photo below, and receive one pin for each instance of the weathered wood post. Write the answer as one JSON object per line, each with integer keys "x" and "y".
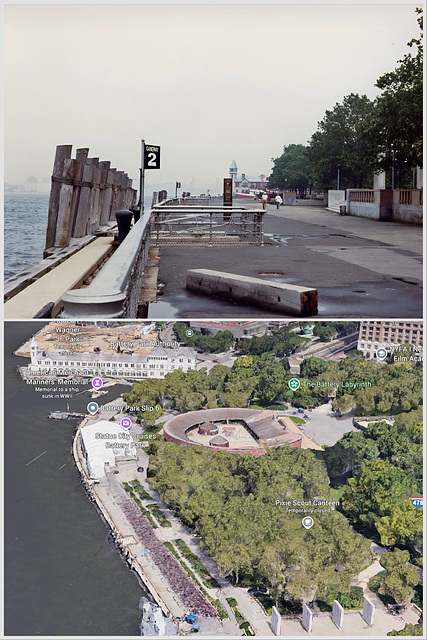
{"x": 108, "y": 196}
{"x": 85, "y": 195}
{"x": 63, "y": 152}
{"x": 115, "y": 198}
{"x": 63, "y": 221}
{"x": 93, "y": 218}
{"x": 104, "y": 166}
{"x": 81, "y": 156}
{"x": 84, "y": 201}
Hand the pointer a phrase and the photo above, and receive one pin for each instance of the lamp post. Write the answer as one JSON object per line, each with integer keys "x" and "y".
{"x": 338, "y": 179}
{"x": 392, "y": 167}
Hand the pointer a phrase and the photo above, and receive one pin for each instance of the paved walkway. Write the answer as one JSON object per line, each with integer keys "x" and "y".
{"x": 247, "y": 605}
{"x": 360, "y": 267}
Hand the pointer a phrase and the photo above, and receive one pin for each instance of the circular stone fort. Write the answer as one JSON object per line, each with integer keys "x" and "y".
{"x": 233, "y": 430}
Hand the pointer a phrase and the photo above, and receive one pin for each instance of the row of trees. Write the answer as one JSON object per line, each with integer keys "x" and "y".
{"x": 260, "y": 377}
{"x": 360, "y": 136}
{"x": 230, "y": 501}
{"x": 282, "y": 342}
{"x": 394, "y": 388}
{"x": 222, "y": 341}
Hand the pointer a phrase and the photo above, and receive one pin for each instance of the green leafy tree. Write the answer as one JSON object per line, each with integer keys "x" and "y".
{"x": 344, "y": 404}
{"x": 378, "y": 488}
{"x": 291, "y": 170}
{"x": 342, "y": 141}
{"x": 408, "y": 630}
{"x": 312, "y": 367}
{"x": 397, "y": 124}
{"x": 400, "y": 578}
{"x": 403, "y": 524}
{"x": 151, "y": 416}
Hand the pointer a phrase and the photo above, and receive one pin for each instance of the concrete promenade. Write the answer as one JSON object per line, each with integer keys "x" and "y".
{"x": 360, "y": 267}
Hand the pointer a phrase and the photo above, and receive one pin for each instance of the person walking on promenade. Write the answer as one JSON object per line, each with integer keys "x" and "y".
{"x": 278, "y": 200}
{"x": 264, "y": 201}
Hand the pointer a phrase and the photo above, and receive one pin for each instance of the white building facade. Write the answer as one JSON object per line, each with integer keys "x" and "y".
{"x": 104, "y": 444}
{"x": 156, "y": 364}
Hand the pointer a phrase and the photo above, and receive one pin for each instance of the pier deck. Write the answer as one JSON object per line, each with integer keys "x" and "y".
{"x": 50, "y": 287}
{"x": 360, "y": 267}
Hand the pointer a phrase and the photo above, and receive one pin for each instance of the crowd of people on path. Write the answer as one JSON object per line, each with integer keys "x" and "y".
{"x": 181, "y": 585}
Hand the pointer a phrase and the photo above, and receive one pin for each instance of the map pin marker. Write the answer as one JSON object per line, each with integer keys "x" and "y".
{"x": 381, "y": 353}
{"x": 97, "y": 383}
{"x": 126, "y": 423}
{"x": 307, "y": 522}
{"x": 93, "y": 408}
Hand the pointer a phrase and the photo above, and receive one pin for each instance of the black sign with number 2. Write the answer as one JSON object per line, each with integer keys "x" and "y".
{"x": 151, "y": 156}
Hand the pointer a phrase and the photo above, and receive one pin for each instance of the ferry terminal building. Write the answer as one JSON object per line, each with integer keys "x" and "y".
{"x": 156, "y": 364}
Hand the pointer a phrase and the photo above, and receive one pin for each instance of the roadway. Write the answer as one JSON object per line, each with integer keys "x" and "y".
{"x": 333, "y": 350}
{"x": 360, "y": 267}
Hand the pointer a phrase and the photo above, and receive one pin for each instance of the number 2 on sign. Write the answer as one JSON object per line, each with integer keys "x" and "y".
{"x": 152, "y": 159}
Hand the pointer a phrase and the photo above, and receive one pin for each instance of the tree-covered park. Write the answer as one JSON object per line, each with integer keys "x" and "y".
{"x": 230, "y": 501}
{"x": 251, "y": 377}
{"x": 394, "y": 388}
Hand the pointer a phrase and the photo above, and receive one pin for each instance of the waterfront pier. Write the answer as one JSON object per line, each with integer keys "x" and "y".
{"x": 302, "y": 259}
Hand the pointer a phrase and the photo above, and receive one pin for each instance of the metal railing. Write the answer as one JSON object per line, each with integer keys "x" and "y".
{"x": 172, "y": 223}
{"x": 114, "y": 292}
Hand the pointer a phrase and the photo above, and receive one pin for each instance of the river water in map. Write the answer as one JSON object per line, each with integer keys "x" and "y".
{"x": 62, "y": 575}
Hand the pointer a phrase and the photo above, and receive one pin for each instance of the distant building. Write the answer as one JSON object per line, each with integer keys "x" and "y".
{"x": 374, "y": 334}
{"x": 239, "y": 329}
{"x": 156, "y": 364}
{"x": 104, "y": 444}
{"x": 35, "y": 184}
{"x": 243, "y": 183}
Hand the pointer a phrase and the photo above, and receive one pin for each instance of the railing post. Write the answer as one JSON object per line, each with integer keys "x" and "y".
{"x": 210, "y": 229}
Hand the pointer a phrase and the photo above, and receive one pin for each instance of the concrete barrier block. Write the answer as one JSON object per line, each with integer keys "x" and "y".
{"x": 276, "y": 621}
{"x": 337, "y": 614}
{"x": 307, "y": 618}
{"x": 368, "y": 613}
{"x": 281, "y": 297}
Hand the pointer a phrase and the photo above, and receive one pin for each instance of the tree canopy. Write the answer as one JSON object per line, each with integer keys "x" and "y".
{"x": 397, "y": 123}
{"x": 343, "y": 142}
{"x": 291, "y": 170}
{"x": 230, "y": 501}
{"x": 400, "y": 578}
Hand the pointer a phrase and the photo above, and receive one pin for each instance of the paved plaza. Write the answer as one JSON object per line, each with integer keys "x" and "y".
{"x": 360, "y": 267}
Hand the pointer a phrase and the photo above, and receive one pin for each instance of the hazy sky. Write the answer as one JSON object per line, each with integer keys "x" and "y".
{"x": 208, "y": 83}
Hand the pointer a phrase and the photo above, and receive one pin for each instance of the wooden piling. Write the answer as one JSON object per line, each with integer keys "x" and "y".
{"x": 84, "y": 202}
{"x": 64, "y": 219}
{"x": 63, "y": 152}
{"x": 85, "y": 195}
{"x": 81, "y": 156}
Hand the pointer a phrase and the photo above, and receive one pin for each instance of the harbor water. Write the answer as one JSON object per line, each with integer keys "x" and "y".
{"x": 63, "y": 576}
{"x": 25, "y": 222}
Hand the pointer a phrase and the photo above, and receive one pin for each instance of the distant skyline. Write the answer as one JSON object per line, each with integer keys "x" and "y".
{"x": 208, "y": 83}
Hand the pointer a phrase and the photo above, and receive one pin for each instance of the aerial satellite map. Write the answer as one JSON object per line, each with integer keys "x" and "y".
{"x": 225, "y": 478}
